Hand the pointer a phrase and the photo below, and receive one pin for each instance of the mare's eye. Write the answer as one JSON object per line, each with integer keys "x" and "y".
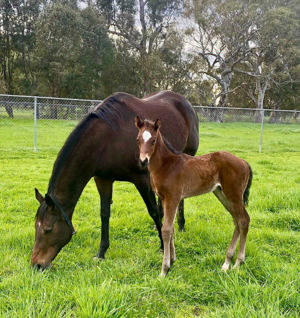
{"x": 47, "y": 231}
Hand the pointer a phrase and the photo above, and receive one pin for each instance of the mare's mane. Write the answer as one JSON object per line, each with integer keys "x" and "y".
{"x": 111, "y": 111}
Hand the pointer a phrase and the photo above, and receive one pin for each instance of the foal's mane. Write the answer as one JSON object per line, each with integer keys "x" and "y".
{"x": 167, "y": 143}
{"x": 111, "y": 111}
{"x": 170, "y": 147}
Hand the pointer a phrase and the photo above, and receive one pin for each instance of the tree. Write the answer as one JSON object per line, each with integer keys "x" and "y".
{"x": 274, "y": 53}
{"x": 94, "y": 59}
{"x": 17, "y": 20}
{"x": 141, "y": 26}
{"x": 219, "y": 40}
{"x": 57, "y": 46}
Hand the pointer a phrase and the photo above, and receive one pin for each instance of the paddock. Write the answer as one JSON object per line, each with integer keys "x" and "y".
{"x": 126, "y": 284}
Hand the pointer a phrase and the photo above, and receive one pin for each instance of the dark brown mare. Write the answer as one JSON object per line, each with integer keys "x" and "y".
{"x": 177, "y": 176}
{"x": 103, "y": 146}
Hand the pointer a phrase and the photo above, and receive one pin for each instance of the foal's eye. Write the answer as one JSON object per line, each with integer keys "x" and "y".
{"x": 153, "y": 141}
{"x": 138, "y": 141}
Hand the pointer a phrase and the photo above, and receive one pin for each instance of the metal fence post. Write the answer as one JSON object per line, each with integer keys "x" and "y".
{"x": 261, "y": 129}
{"x": 35, "y": 123}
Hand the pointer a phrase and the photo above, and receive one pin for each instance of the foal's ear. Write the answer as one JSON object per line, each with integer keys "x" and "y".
{"x": 157, "y": 124}
{"x": 38, "y": 196}
{"x": 138, "y": 122}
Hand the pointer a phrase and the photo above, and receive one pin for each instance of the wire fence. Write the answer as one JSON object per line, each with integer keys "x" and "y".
{"x": 45, "y": 122}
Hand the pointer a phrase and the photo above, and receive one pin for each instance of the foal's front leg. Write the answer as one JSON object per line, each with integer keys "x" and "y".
{"x": 170, "y": 207}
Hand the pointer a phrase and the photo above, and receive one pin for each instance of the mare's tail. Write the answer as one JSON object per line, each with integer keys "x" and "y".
{"x": 247, "y": 190}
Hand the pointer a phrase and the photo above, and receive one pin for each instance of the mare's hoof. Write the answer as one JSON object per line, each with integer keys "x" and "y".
{"x": 99, "y": 258}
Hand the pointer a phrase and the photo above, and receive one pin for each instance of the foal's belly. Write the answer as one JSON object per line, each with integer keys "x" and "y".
{"x": 195, "y": 190}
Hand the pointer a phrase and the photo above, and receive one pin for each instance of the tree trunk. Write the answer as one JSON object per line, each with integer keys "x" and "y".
{"x": 260, "y": 100}
{"x": 275, "y": 116}
{"x": 53, "y": 110}
{"x": 225, "y": 83}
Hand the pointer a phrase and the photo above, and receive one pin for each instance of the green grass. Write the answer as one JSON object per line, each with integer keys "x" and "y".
{"x": 127, "y": 283}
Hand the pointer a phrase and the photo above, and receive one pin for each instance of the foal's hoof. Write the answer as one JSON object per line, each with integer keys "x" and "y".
{"x": 237, "y": 264}
{"x": 164, "y": 273}
{"x": 225, "y": 268}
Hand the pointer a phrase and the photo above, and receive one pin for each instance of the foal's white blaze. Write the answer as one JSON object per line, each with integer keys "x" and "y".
{"x": 146, "y": 135}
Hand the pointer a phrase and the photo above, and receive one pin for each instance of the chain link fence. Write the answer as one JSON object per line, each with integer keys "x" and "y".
{"x": 32, "y": 122}
{"x": 232, "y": 114}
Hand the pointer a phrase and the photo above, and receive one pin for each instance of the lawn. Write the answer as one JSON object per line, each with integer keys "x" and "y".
{"x": 127, "y": 283}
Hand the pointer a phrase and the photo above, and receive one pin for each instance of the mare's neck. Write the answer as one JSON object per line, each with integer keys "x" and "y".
{"x": 73, "y": 168}
{"x": 69, "y": 186}
{"x": 161, "y": 155}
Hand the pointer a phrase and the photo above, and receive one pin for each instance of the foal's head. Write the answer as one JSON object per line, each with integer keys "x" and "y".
{"x": 147, "y": 136}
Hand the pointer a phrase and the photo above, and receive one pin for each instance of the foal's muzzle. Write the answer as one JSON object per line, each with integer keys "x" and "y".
{"x": 144, "y": 162}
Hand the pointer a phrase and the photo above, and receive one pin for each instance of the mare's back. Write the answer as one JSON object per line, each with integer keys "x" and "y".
{"x": 179, "y": 120}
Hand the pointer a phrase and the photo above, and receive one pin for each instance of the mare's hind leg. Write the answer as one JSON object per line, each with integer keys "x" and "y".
{"x": 105, "y": 190}
{"x": 180, "y": 216}
{"x": 144, "y": 187}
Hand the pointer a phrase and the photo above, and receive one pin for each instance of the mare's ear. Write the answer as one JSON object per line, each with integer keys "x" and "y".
{"x": 38, "y": 196}
{"x": 49, "y": 201}
{"x": 157, "y": 124}
{"x": 138, "y": 122}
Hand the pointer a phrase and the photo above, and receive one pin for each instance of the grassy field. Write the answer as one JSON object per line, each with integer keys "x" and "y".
{"x": 127, "y": 283}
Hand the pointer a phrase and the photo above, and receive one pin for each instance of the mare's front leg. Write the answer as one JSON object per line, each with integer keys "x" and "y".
{"x": 142, "y": 183}
{"x": 105, "y": 190}
{"x": 170, "y": 206}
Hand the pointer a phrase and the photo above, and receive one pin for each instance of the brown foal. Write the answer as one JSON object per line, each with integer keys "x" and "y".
{"x": 177, "y": 176}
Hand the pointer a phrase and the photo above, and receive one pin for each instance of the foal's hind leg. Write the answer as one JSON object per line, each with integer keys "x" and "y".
{"x": 241, "y": 221}
{"x": 231, "y": 249}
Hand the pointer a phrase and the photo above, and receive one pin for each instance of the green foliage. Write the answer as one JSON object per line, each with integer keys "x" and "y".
{"x": 89, "y": 49}
{"x": 126, "y": 284}
{"x": 72, "y": 49}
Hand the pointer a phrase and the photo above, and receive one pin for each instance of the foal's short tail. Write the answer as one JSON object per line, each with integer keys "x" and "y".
{"x": 247, "y": 190}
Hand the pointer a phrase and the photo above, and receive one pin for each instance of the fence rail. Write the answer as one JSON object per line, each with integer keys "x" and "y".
{"x": 47, "y": 109}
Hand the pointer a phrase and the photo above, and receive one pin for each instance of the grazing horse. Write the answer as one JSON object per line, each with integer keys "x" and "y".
{"x": 103, "y": 146}
{"x": 176, "y": 176}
